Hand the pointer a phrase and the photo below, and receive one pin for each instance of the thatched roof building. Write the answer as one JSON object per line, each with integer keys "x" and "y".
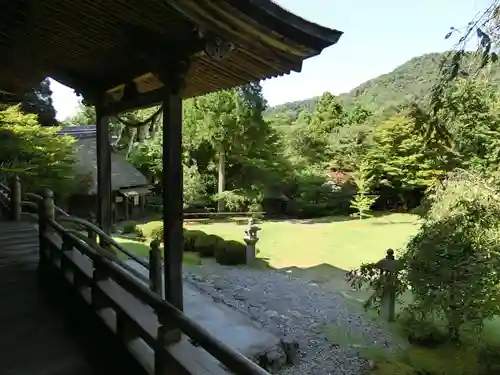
{"x": 124, "y": 176}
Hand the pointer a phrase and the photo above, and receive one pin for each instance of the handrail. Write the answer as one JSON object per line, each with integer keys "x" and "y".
{"x": 102, "y": 251}
{"x": 4, "y": 187}
{"x": 39, "y": 198}
{"x": 107, "y": 266}
{"x": 103, "y": 235}
{"x": 29, "y": 204}
{"x": 229, "y": 357}
{"x": 65, "y": 217}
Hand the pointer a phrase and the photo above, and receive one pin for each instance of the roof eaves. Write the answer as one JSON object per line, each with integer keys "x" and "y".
{"x": 330, "y": 36}
{"x": 261, "y": 23}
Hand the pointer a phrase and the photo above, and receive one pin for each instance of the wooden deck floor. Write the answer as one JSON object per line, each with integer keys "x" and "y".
{"x": 40, "y": 333}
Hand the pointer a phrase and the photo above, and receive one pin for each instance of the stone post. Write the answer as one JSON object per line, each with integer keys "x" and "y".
{"x": 155, "y": 270}
{"x": 388, "y": 270}
{"x": 15, "y": 199}
{"x": 251, "y": 240}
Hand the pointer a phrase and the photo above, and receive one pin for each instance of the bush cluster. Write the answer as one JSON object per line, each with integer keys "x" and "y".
{"x": 209, "y": 245}
{"x": 129, "y": 227}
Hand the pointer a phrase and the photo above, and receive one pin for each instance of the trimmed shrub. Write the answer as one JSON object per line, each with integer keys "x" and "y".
{"x": 206, "y": 245}
{"x": 230, "y": 253}
{"x": 157, "y": 234}
{"x": 129, "y": 227}
{"x": 190, "y": 237}
{"x": 140, "y": 234}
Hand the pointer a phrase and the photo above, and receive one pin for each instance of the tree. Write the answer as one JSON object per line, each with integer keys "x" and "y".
{"x": 213, "y": 120}
{"x": 38, "y": 101}
{"x": 38, "y": 155}
{"x": 230, "y": 122}
{"x": 309, "y": 139}
{"x": 452, "y": 263}
{"x": 401, "y": 160}
{"x": 362, "y": 201}
{"x": 328, "y": 115}
{"x": 348, "y": 144}
{"x": 471, "y": 115}
{"x": 84, "y": 115}
{"x": 458, "y": 63}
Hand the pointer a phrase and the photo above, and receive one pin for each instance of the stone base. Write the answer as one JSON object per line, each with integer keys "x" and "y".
{"x": 232, "y": 327}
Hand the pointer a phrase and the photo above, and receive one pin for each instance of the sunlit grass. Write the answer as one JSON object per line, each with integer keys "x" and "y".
{"x": 320, "y": 252}
{"x": 141, "y": 249}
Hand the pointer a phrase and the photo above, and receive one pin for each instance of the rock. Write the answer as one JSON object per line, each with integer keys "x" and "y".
{"x": 291, "y": 349}
{"x": 239, "y": 297}
{"x": 272, "y": 361}
{"x": 271, "y": 313}
{"x": 371, "y": 365}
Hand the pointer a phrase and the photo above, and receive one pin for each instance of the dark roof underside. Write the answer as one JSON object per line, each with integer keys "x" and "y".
{"x": 94, "y": 46}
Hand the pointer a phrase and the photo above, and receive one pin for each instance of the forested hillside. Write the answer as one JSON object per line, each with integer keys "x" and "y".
{"x": 331, "y": 155}
{"x": 383, "y": 95}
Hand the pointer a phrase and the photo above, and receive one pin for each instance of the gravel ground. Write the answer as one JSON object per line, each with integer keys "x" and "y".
{"x": 296, "y": 309}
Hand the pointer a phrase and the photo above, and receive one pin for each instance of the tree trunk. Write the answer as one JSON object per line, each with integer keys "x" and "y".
{"x": 155, "y": 127}
{"x": 131, "y": 140}
{"x": 221, "y": 178}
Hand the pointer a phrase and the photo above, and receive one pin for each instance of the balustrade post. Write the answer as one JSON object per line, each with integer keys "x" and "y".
{"x": 155, "y": 269}
{"x": 98, "y": 299}
{"x": 46, "y": 212}
{"x": 15, "y": 199}
{"x": 66, "y": 247}
{"x": 166, "y": 335}
{"x": 90, "y": 233}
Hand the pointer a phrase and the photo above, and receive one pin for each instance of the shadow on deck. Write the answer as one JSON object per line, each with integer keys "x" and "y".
{"x": 40, "y": 333}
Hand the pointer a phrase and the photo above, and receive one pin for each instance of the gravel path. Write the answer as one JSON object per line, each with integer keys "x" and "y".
{"x": 294, "y": 308}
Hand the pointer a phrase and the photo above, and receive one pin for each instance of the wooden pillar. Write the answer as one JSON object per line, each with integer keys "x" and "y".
{"x": 172, "y": 185}
{"x": 104, "y": 209}
{"x": 46, "y": 212}
{"x": 126, "y": 204}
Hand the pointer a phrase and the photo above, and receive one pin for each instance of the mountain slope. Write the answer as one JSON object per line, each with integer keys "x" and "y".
{"x": 411, "y": 81}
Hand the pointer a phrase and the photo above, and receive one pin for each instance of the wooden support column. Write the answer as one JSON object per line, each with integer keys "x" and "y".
{"x": 172, "y": 184}
{"x": 104, "y": 211}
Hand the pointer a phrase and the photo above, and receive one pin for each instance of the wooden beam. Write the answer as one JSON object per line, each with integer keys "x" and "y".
{"x": 172, "y": 193}
{"x": 136, "y": 101}
{"x": 149, "y": 54}
{"x": 104, "y": 211}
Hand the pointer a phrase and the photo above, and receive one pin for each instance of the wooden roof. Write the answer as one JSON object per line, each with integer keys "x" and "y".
{"x": 94, "y": 46}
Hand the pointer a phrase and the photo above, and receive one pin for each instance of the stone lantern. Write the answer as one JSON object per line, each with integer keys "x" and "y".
{"x": 251, "y": 240}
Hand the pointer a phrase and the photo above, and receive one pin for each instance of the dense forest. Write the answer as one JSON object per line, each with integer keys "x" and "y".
{"x": 346, "y": 154}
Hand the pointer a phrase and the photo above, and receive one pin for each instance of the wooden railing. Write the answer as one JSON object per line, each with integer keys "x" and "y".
{"x": 157, "y": 334}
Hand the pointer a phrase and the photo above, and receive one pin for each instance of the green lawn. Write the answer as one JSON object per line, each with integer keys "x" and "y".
{"x": 321, "y": 251}
{"x": 142, "y": 249}
{"x": 340, "y": 242}
{"x": 317, "y": 250}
